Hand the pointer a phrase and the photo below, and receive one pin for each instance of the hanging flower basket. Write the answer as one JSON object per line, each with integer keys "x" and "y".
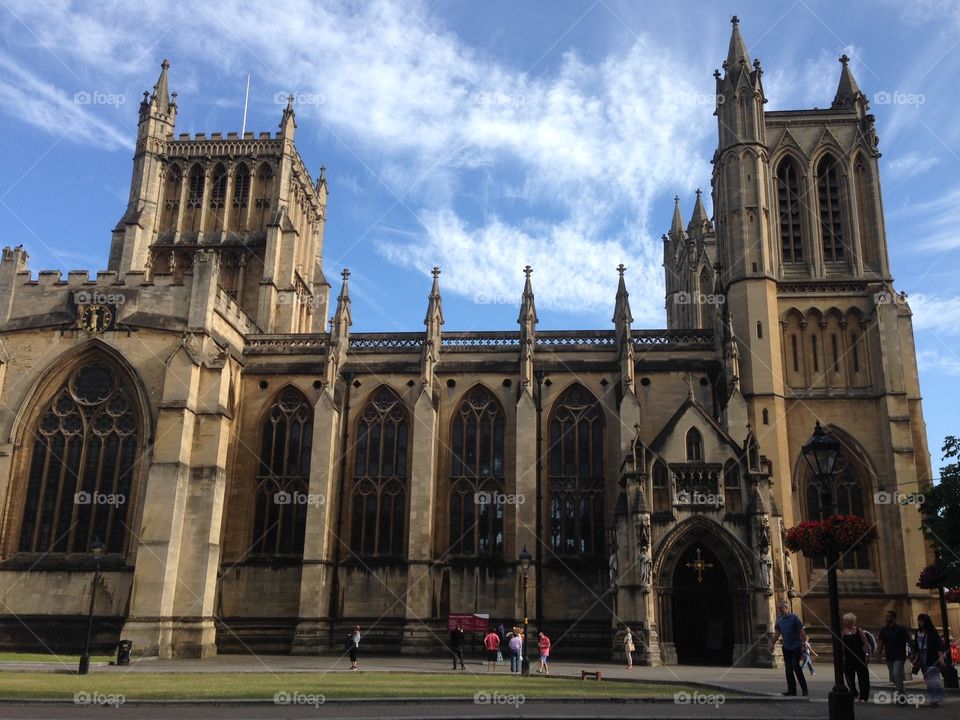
{"x": 932, "y": 577}
{"x": 952, "y": 595}
{"x": 839, "y": 533}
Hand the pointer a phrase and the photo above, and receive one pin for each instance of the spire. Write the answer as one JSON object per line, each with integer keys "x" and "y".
{"x": 699, "y": 214}
{"x": 288, "y": 121}
{"x": 435, "y": 303}
{"x": 848, "y": 94}
{"x": 737, "y": 50}
{"x": 342, "y": 318}
{"x": 676, "y": 227}
{"x": 621, "y": 310}
{"x": 160, "y": 100}
{"x": 528, "y": 308}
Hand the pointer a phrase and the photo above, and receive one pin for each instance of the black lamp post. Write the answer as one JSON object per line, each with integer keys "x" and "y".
{"x": 525, "y": 558}
{"x": 96, "y": 547}
{"x": 821, "y": 453}
{"x": 949, "y": 670}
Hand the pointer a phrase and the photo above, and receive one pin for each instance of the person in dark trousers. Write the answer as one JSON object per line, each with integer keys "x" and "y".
{"x": 456, "y": 645}
{"x": 491, "y": 645}
{"x": 856, "y": 652}
{"x": 892, "y": 641}
{"x": 928, "y": 658}
{"x": 790, "y": 628}
{"x": 353, "y": 642}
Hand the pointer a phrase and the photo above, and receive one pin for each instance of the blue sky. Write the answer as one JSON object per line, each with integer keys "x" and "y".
{"x": 481, "y": 137}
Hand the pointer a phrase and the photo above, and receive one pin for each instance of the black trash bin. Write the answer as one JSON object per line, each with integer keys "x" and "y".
{"x": 123, "y": 652}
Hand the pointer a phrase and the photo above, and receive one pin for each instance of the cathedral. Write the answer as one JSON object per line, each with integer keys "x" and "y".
{"x": 255, "y": 477}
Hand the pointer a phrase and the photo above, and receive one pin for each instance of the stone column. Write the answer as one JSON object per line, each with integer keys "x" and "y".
{"x": 417, "y": 636}
{"x": 525, "y": 513}
{"x": 313, "y": 628}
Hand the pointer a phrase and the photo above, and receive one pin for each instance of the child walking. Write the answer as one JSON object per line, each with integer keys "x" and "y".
{"x": 805, "y": 661}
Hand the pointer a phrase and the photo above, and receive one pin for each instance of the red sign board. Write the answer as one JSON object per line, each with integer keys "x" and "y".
{"x": 475, "y": 622}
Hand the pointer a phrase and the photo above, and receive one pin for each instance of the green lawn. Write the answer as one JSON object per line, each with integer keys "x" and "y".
{"x": 335, "y": 685}
{"x": 50, "y": 658}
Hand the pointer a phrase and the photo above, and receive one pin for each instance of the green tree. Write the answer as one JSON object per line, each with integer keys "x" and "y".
{"x": 941, "y": 510}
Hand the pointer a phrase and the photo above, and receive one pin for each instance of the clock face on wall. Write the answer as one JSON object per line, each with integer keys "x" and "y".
{"x": 95, "y": 318}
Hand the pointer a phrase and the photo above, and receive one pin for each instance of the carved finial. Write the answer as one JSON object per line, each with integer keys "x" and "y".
{"x": 345, "y": 273}
{"x": 844, "y": 59}
{"x": 436, "y": 271}
{"x": 165, "y": 64}
{"x": 527, "y": 270}
{"x": 621, "y": 268}
{"x": 734, "y": 20}
{"x": 699, "y": 193}
{"x": 716, "y": 74}
{"x": 676, "y": 199}
{"x": 289, "y": 100}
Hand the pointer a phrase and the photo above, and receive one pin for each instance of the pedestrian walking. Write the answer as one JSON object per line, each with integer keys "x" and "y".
{"x": 928, "y": 658}
{"x": 543, "y": 645}
{"x": 789, "y": 628}
{"x": 456, "y": 645}
{"x": 805, "y": 656}
{"x": 856, "y": 653}
{"x": 353, "y": 644}
{"x": 892, "y": 643}
{"x": 516, "y": 649}
{"x": 491, "y": 644}
{"x": 629, "y": 648}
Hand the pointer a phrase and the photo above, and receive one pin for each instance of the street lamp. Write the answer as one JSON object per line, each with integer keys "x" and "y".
{"x": 822, "y": 452}
{"x": 949, "y": 670}
{"x": 525, "y": 558}
{"x": 96, "y": 547}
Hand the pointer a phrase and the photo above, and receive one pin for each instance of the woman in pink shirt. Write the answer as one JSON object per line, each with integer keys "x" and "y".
{"x": 544, "y": 645}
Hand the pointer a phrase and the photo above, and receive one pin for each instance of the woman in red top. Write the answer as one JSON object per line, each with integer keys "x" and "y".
{"x": 544, "y": 645}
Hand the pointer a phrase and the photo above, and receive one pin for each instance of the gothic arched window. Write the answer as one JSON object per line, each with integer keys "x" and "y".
{"x": 694, "y": 446}
{"x": 850, "y": 501}
{"x": 378, "y": 499}
{"x": 85, "y": 445}
{"x": 576, "y": 474}
{"x": 831, "y": 218}
{"x": 192, "y": 212}
{"x": 170, "y": 210}
{"x": 241, "y": 197}
{"x": 477, "y": 475}
{"x": 732, "y": 493}
{"x": 261, "y": 197}
{"x": 661, "y": 487}
{"x": 788, "y": 201}
{"x": 218, "y": 198}
{"x": 283, "y": 476}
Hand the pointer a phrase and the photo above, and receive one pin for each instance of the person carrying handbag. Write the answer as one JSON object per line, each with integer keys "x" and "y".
{"x": 629, "y": 648}
{"x": 928, "y": 657}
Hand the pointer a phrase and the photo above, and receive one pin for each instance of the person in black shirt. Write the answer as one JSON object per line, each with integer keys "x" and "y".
{"x": 456, "y": 645}
{"x": 893, "y": 639}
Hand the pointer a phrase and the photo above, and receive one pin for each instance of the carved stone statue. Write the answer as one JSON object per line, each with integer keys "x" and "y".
{"x": 788, "y": 571}
{"x": 645, "y": 565}
{"x": 766, "y": 569}
{"x": 614, "y": 567}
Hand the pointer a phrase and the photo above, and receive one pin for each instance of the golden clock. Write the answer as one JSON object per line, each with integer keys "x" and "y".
{"x": 95, "y": 318}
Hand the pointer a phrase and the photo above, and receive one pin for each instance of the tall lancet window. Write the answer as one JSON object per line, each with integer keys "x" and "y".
{"x": 286, "y": 440}
{"x": 218, "y": 198}
{"x": 83, "y": 455}
{"x": 788, "y": 201}
{"x": 378, "y": 498}
{"x": 477, "y": 475}
{"x": 260, "y": 214}
{"x": 576, "y": 474}
{"x": 241, "y": 198}
{"x": 831, "y": 217}
{"x": 694, "y": 446}
{"x": 193, "y": 211}
{"x": 170, "y": 210}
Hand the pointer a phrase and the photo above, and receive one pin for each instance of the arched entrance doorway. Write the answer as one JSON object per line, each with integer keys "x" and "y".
{"x": 703, "y": 629}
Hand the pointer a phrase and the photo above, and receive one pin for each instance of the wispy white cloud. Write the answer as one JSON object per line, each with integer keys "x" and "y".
{"x": 933, "y": 222}
{"x": 940, "y": 315}
{"x": 934, "y": 361}
{"x": 909, "y": 165}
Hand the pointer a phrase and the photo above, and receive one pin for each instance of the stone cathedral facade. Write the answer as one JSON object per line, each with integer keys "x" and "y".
{"x": 261, "y": 477}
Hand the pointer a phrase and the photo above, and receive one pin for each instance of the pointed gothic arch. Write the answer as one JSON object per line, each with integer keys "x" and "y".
{"x": 477, "y": 475}
{"x": 80, "y": 439}
{"x": 283, "y": 475}
{"x": 379, "y": 478}
{"x": 576, "y": 473}
{"x": 830, "y": 199}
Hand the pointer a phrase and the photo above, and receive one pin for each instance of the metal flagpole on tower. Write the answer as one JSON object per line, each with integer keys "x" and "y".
{"x": 246, "y": 99}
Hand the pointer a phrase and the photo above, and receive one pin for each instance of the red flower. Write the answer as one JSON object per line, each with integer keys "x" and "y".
{"x": 840, "y": 533}
{"x": 952, "y": 595}
{"x": 932, "y": 577}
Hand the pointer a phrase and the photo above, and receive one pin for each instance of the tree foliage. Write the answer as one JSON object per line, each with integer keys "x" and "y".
{"x": 941, "y": 510}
